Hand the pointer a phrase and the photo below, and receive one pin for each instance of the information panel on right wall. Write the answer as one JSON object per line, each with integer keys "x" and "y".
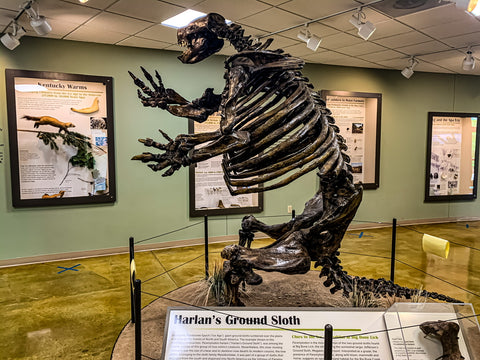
{"x": 358, "y": 115}
{"x": 452, "y": 156}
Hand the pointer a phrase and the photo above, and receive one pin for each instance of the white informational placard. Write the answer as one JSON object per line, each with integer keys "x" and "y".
{"x": 210, "y": 194}
{"x": 273, "y": 334}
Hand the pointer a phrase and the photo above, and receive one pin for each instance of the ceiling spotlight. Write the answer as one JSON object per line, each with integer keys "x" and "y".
{"x": 471, "y": 6}
{"x": 408, "y": 70}
{"x": 12, "y": 40}
{"x": 38, "y": 22}
{"x": 365, "y": 28}
{"x": 313, "y": 41}
{"x": 468, "y": 63}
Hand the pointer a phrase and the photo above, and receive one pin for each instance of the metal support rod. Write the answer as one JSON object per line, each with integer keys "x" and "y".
{"x": 138, "y": 318}
{"x": 328, "y": 342}
{"x": 293, "y": 214}
{"x": 206, "y": 246}
{"x": 394, "y": 244}
{"x": 132, "y": 300}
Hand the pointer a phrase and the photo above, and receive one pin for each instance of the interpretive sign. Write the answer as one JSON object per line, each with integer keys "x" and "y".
{"x": 452, "y": 156}
{"x": 209, "y": 195}
{"x": 273, "y": 334}
{"x": 358, "y": 114}
{"x": 61, "y": 138}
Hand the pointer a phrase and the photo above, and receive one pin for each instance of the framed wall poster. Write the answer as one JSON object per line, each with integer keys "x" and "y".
{"x": 452, "y": 156}
{"x": 209, "y": 194}
{"x": 358, "y": 115}
{"x": 61, "y": 138}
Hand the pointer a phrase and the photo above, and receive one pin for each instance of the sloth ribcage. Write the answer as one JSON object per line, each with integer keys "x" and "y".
{"x": 284, "y": 124}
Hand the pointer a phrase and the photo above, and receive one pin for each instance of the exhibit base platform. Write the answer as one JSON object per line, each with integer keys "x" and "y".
{"x": 277, "y": 290}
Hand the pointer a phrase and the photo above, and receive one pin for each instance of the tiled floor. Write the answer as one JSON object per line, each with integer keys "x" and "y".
{"x": 76, "y": 309}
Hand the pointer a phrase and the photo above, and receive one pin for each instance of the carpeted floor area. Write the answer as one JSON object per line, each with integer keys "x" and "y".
{"x": 76, "y": 309}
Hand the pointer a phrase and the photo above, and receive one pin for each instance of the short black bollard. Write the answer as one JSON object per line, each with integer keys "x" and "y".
{"x": 132, "y": 278}
{"x": 394, "y": 244}
{"x": 138, "y": 319}
{"x": 328, "y": 342}
{"x": 207, "y": 274}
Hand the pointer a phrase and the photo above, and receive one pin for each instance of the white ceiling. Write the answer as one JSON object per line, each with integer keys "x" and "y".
{"x": 437, "y": 36}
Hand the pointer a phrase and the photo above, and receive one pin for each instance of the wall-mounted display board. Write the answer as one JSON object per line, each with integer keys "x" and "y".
{"x": 452, "y": 156}
{"x": 358, "y": 115}
{"x": 209, "y": 194}
{"x": 61, "y": 138}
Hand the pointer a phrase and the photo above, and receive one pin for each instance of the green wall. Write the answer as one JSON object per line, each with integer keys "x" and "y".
{"x": 148, "y": 204}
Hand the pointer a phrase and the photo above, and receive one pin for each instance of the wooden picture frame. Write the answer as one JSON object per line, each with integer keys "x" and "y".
{"x": 452, "y": 156}
{"x": 358, "y": 115}
{"x": 208, "y": 192}
{"x": 61, "y": 138}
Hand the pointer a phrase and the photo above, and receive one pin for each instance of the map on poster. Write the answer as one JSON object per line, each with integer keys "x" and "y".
{"x": 211, "y": 192}
{"x": 62, "y": 138}
{"x": 350, "y": 116}
{"x": 446, "y": 155}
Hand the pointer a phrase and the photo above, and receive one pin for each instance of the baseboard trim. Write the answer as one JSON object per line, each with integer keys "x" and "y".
{"x": 200, "y": 241}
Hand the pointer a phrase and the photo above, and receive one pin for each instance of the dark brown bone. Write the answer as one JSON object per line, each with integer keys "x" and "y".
{"x": 447, "y": 333}
{"x": 274, "y": 128}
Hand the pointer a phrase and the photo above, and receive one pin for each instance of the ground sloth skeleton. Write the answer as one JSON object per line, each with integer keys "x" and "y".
{"x": 274, "y": 128}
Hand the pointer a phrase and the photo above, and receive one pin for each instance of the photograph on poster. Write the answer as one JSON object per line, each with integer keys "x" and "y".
{"x": 452, "y": 154}
{"x": 61, "y": 138}
{"x": 209, "y": 195}
{"x": 358, "y": 116}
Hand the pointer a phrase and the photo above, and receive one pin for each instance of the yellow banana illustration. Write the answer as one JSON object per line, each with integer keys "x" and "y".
{"x": 88, "y": 110}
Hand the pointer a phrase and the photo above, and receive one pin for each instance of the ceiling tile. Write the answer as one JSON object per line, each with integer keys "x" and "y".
{"x": 423, "y": 48}
{"x": 405, "y": 39}
{"x": 6, "y": 16}
{"x": 276, "y": 2}
{"x": 97, "y": 4}
{"x": 315, "y": 28}
{"x": 462, "y": 40}
{"x": 388, "y": 28}
{"x": 342, "y": 22}
{"x": 75, "y": 13}
{"x": 150, "y": 10}
{"x": 382, "y": 55}
{"x": 315, "y": 10}
{"x": 360, "y": 49}
{"x": 159, "y": 33}
{"x": 300, "y": 50}
{"x": 118, "y": 23}
{"x": 340, "y": 40}
{"x": 441, "y": 31}
{"x": 143, "y": 43}
{"x": 235, "y": 10}
{"x": 269, "y": 20}
{"x": 438, "y": 15}
{"x": 104, "y": 36}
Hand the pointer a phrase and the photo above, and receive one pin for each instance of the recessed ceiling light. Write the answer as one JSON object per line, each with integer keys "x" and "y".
{"x": 183, "y": 19}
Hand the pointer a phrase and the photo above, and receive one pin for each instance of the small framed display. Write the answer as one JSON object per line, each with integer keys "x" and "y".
{"x": 209, "y": 194}
{"x": 358, "y": 115}
{"x": 452, "y": 156}
{"x": 61, "y": 138}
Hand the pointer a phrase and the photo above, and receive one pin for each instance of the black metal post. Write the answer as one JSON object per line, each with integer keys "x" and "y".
{"x": 132, "y": 300}
{"x": 138, "y": 318}
{"x": 328, "y": 342}
{"x": 394, "y": 244}
{"x": 206, "y": 246}
{"x": 293, "y": 214}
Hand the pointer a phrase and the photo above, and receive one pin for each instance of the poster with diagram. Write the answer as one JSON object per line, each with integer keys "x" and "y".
{"x": 452, "y": 154}
{"x": 358, "y": 117}
{"x": 209, "y": 195}
{"x": 61, "y": 138}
